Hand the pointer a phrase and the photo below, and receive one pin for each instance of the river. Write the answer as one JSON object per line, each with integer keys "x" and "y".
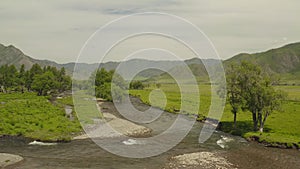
{"x": 86, "y": 154}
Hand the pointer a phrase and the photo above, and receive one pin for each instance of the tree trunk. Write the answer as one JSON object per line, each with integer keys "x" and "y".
{"x": 234, "y": 120}
{"x": 254, "y": 118}
{"x": 261, "y": 126}
{"x": 40, "y": 92}
{"x": 261, "y": 129}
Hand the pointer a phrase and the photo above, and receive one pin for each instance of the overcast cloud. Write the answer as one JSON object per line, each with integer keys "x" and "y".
{"x": 57, "y": 29}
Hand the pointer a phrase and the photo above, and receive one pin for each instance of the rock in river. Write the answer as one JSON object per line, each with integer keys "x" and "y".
{"x": 9, "y": 159}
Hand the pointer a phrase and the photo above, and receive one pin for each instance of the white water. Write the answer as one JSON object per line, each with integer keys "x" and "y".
{"x": 130, "y": 142}
{"x": 41, "y": 143}
{"x": 222, "y": 142}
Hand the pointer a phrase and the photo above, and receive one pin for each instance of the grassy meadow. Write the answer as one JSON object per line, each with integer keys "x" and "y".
{"x": 35, "y": 117}
{"x": 281, "y": 127}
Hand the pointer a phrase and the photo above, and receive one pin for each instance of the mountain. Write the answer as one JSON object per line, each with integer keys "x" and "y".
{"x": 196, "y": 65}
{"x": 283, "y": 60}
{"x": 12, "y": 55}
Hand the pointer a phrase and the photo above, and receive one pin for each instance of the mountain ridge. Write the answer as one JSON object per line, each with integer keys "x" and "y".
{"x": 285, "y": 59}
{"x": 282, "y": 60}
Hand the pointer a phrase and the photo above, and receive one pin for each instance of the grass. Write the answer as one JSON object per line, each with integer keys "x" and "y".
{"x": 292, "y": 91}
{"x": 174, "y": 99}
{"x": 280, "y": 128}
{"x": 86, "y": 107}
{"x": 35, "y": 117}
{"x": 66, "y": 101}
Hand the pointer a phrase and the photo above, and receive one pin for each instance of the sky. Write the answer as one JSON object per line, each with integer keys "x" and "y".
{"x": 57, "y": 29}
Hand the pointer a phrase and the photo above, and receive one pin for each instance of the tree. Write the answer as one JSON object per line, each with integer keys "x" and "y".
{"x": 8, "y": 77}
{"x": 2, "y": 79}
{"x": 108, "y": 84}
{"x": 234, "y": 91}
{"x": 13, "y": 80}
{"x": 118, "y": 80}
{"x": 22, "y": 77}
{"x": 117, "y": 93}
{"x": 250, "y": 88}
{"x": 249, "y": 80}
{"x": 136, "y": 85}
{"x": 104, "y": 91}
{"x": 102, "y": 76}
{"x": 44, "y": 83}
{"x": 64, "y": 80}
{"x": 35, "y": 70}
{"x": 272, "y": 101}
{"x": 158, "y": 85}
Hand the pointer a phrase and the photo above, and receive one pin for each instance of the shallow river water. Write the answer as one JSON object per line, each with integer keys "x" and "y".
{"x": 86, "y": 154}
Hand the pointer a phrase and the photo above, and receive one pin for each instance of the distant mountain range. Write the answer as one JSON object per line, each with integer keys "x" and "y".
{"x": 281, "y": 60}
{"x": 284, "y": 61}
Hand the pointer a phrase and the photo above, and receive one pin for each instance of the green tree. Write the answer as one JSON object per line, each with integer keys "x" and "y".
{"x": 249, "y": 80}
{"x": 271, "y": 101}
{"x": 158, "y": 85}
{"x": 234, "y": 91}
{"x": 257, "y": 93}
{"x": 29, "y": 77}
{"x": 117, "y": 93}
{"x": 9, "y": 80}
{"x": 104, "y": 91}
{"x": 22, "y": 78}
{"x": 44, "y": 83}
{"x": 118, "y": 80}
{"x": 64, "y": 80}
{"x": 13, "y": 80}
{"x": 102, "y": 76}
{"x": 108, "y": 84}
{"x": 136, "y": 85}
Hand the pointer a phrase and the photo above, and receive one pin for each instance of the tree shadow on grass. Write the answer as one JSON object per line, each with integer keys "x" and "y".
{"x": 242, "y": 127}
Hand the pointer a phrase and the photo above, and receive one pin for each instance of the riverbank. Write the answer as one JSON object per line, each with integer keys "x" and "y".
{"x": 281, "y": 128}
{"x": 47, "y": 122}
{"x": 32, "y": 116}
{"x": 257, "y": 139}
{"x": 268, "y": 138}
{"x": 9, "y": 159}
{"x": 118, "y": 124}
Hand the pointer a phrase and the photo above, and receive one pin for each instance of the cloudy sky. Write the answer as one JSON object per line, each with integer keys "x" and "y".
{"x": 57, "y": 29}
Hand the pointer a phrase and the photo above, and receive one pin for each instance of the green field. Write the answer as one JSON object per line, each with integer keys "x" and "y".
{"x": 280, "y": 128}
{"x": 174, "y": 98}
{"x": 35, "y": 117}
{"x": 85, "y": 107}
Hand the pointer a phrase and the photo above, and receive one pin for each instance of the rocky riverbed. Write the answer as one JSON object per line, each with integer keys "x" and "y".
{"x": 9, "y": 159}
{"x": 205, "y": 160}
{"x": 119, "y": 124}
